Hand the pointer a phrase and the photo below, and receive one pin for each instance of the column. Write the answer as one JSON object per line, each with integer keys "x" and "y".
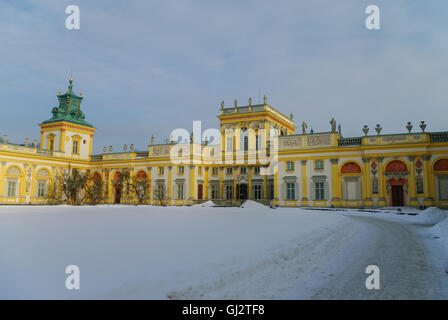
{"x": 335, "y": 183}
{"x": 249, "y": 184}
{"x": 304, "y": 184}
{"x": 221, "y": 179}
{"x": 149, "y": 191}
{"x": 412, "y": 182}
{"x": 2, "y": 181}
{"x": 235, "y": 171}
{"x": 265, "y": 186}
{"x": 381, "y": 182}
{"x": 427, "y": 179}
{"x": 366, "y": 183}
{"x": 275, "y": 201}
{"x": 206, "y": 172}
{"x": 170, "y": 185}
{"x": 191, "y": 186}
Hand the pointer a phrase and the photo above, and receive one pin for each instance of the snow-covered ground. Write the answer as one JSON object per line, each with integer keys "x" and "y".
{"x": 204, "y": 252}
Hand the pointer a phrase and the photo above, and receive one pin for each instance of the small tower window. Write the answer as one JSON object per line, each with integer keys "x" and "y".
{"x": 75, "y": 147}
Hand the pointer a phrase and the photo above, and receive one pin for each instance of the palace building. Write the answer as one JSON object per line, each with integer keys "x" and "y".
{"x": 322, "y": 169}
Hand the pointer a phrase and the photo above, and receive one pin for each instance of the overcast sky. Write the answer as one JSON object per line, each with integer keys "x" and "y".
{"x": 148, "y": 67}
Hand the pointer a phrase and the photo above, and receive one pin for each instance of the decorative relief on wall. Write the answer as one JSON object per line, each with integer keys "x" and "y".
{"x": 318, "y": 140}
{"x": 395, "y": 138}
{"x": 160, "y": 150}
{"x": 286, "y": 142}
{"x": 351, "y": 167}
{"x": 396, "y": 166}
{"x": 374, "y": 184}
{"x": 441, "y": 165}
{"x": 117, "y": 156}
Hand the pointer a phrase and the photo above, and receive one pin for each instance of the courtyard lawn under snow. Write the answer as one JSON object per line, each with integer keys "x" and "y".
{"x": 197, "y": 252}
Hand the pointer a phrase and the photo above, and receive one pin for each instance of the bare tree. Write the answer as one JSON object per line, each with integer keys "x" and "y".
{"x": 93, "y": 190}
{"x": 159, "y": 195}
{"x": 72, "y": 185}
{"x": 140, "y": 188}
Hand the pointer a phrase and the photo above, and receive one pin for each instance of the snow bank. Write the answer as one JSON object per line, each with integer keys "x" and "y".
{"x": 430, "y": 215}
{"x": 253, "y": 205}
{"x": 207, "y": 204}
{"x": 441, "y": 230}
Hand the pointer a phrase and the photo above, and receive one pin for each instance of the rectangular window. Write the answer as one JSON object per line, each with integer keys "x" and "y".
{"x": 246, "y": 143}
{"x": 41, "y": 186}
{"x": 161, "y": 171}
{"x": 289, "y": 165}
{"x": 229, "y": 192}
{"x": 319, "y": 191}
{"x": 215, "y": 171}
{"x": 51, "y": 144}
{"x": 319, "y": 164}
{"x": 257, "y": 142}
{"x": 257, "y": 192}
{"x": 200, "y": 171}
{"x": 75, "y": 147}
{"x": 257, "y": 170}
{"x": 290, "y": 191}
{"x": 229, "y": 144}
{"x": 229, "y": 171}
{"x": 181, "y": 170}
{"x": 12, "y": 185}
{"x": 243, "y": 170}
{"x": 180, "y": 191}
{"x": 215, "y": 191}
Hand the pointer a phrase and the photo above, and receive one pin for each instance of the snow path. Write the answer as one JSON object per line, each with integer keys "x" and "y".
{"x": 406, "y": 268}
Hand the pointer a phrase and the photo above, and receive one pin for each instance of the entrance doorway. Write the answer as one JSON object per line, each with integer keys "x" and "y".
{"x": 200, "y": 191}
{"x": 242, "y": 191}
{"x": 397, "y": 195}
{"x": 117, "y": 195}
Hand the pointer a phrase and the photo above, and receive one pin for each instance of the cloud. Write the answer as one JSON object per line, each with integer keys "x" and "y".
{"x": 147, "y": 67}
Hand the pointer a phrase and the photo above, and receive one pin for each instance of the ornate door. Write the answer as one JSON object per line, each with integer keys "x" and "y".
{"x": 397, "y": 195}
{"x": 200, "y": 191}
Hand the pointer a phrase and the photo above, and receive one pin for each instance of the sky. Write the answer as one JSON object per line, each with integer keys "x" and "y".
{"x": 149, "y": 67}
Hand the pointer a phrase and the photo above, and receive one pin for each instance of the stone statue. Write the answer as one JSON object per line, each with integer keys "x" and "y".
{"x": 236, "y": 103}
{"x": 333, "y": 125}
{"x": 222, "y": 104}
{"x": 304, "y": 127}
{"x": 250, "y": 101}
{"x": 191, "y": 137}
{"x": 290, "y": 116}
{"x": 265, "y": 99}
{"x": 340, "y": 130}
{"x": 132, "y": 147}
{"x": 125, "y": 148}
{"x": 152, "y": 139}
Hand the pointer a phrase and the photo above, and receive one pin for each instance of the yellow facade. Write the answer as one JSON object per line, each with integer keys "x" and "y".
{"x": 250, "y": 162}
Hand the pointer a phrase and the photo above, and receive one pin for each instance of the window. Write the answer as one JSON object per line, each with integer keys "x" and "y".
{"x": 257, "y": 170}
{"x": 257, "y": 142}
{"x": 229, "y": 171}
{"x": 257, "y": 192}
{"x": 215, "y": 171}
{"x": 229, "y": 144}
{"x": 41, "y": 186}
{"x": 180, "y": 191}
{"x": 319, "y": 164}
{"x": 181, "y": 170}
{"x": 200, "y": 171}
{"x": 51, "y": 147}
{"x": 289, "y": 166}
{"x": 215, "y": 191}
{"x": 12, "y": 186}
{"x": 319, "y": 190}
{"x": 290, "y": 191}
{"x": 229, "y": 192}
{"x": 161, "y": 171}
{"x": 244, "y": 140}
{"x": 75, "y": 147}
{"x": 243, "y": 170}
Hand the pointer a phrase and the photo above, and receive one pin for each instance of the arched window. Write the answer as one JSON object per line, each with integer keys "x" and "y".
{"x": 441, "y": 165}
